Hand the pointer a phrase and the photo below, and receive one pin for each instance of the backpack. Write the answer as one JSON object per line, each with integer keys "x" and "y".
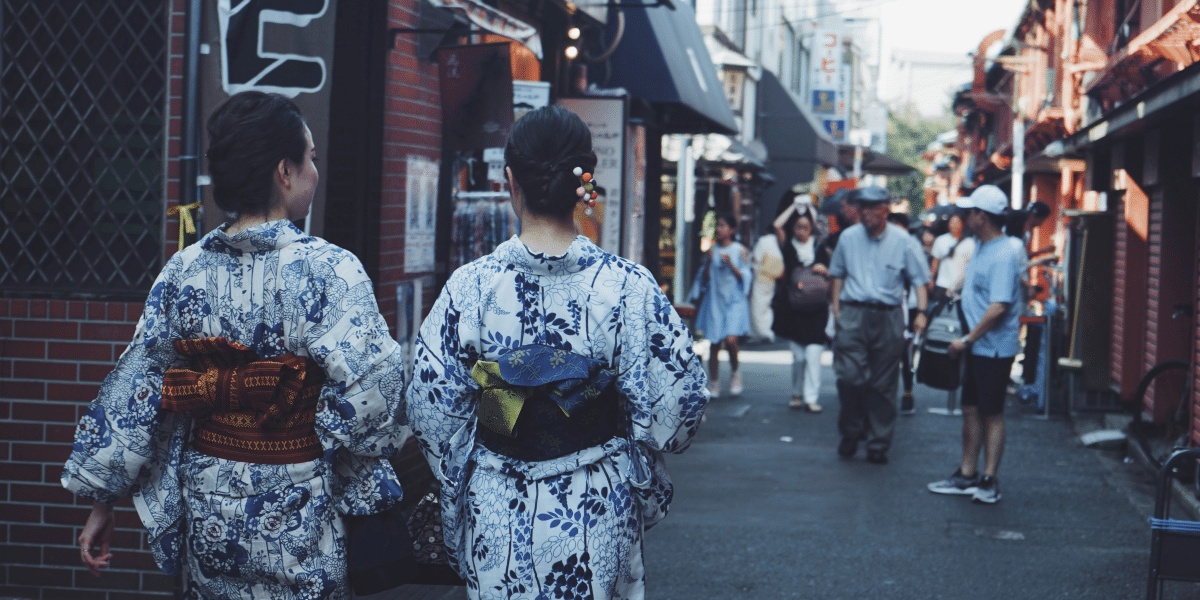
{"x": 935, "y": 368}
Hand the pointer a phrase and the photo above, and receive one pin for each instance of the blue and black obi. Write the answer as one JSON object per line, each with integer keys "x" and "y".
{"x": 541, "y": 403}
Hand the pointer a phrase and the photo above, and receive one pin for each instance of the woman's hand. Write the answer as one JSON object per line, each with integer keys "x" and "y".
{"x": 820, "y": 269}
{"x": 728, "y": 261}
{"x": 97, "y": 530}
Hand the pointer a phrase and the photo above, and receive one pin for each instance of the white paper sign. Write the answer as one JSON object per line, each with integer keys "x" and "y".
{"x": 605, "y": 117}
{"x": 420, "y": 231}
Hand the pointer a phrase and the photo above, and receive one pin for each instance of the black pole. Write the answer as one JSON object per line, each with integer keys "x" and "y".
{"x": 189, "y": 159}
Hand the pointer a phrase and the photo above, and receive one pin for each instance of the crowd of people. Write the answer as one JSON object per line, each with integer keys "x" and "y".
{"x": 866, "y": 291}
{"x": 253, "y": 416}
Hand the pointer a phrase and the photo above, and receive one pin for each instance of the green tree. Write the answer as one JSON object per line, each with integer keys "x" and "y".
{"x": 909, "y": 133}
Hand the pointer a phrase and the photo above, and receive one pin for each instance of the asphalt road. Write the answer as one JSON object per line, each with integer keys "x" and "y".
{"x": 759, "y": 516}
{"x": 764, "y": 508}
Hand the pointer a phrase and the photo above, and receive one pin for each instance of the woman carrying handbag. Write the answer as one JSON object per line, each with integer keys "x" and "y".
{"x": 802, "y": 303}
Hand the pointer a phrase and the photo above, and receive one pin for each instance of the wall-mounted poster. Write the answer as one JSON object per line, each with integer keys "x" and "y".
{"x": 420, "y": 219}
{"x": 605, "y": 117}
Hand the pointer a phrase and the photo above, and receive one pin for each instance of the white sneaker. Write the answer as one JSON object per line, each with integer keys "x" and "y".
{"x": 714, "y": 389}
{"x": 735, "y": 384}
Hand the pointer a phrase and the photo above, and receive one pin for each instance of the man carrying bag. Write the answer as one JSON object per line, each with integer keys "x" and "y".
{"x": 990, "y": 301}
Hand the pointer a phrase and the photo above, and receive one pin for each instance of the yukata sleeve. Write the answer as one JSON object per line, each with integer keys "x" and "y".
{"x": 663, "y": 384}
{"x": 362, "y": 404}
{"x": 115, "y": 440}
{"x": 443, "y": 398}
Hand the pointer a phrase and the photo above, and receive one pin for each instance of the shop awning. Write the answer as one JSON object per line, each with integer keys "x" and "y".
{"x": 714, "y": 148}
{"x": 662, "y": 58}
{"x": 796, "y": 143}
{"x": 1149, "y": 106}
{"x": 873, "y": 162}
{"x": 490, "y": 19}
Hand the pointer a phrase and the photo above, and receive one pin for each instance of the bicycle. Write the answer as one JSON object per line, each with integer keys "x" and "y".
{"x": 1159, "y": 440}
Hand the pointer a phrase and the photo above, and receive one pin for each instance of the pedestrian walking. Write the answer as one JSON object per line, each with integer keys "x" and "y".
{"x": 907, "y": 402}
{"x": 991, "y": 305}
{"x": 722, "y": 287}
{"x": 550, "y": 378}
{"x": 952, "y": 250}
{"x": 261, "y": 394}
{"x": 869, "y": 268}
{"x": 846, "y": 217}
{"x": 767, "y": 264}
{"x": 801, "y": 318}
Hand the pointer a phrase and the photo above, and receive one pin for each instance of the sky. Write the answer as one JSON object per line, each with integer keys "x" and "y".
{"x": 955, "y": 26}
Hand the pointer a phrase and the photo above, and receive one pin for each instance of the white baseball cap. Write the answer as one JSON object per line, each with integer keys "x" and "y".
{"x": 987, "y": 198}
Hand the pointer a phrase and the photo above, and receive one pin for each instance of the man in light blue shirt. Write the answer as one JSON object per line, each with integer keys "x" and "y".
{"x": 870, "y": 266}
{"x": 991, "y": 304}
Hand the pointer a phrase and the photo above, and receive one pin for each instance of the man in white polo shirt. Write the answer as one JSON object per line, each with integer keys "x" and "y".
{"x": 991, "y": 304}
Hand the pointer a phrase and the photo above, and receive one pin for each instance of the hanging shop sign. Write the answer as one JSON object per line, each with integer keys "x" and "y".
{"x": 605, "y": 117}
{"x": 829, "y": 80}
{"x": 477, "y": 96}
{"x": 273, "y": 47}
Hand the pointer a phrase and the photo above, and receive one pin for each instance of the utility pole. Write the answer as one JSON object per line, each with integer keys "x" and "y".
{"x": 1018, "y": 162}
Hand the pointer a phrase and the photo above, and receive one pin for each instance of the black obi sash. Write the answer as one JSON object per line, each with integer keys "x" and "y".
{"x": 540, "y": 403}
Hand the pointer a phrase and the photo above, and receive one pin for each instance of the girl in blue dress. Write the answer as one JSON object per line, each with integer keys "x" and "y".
{"x": 724, "y": 313}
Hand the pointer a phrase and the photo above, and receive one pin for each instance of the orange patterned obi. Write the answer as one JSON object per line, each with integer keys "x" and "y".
{"x": 249, "y": 409}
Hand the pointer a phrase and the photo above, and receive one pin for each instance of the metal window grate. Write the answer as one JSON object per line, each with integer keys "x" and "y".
{"x": 82, "y": 100}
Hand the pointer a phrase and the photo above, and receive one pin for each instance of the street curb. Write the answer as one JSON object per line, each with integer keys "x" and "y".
{"x": 1180, "y": 494}
{"x": 1083, "y": 423}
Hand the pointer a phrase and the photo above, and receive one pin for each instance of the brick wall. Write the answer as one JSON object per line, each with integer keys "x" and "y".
{"x": 412, "y": 125}
{"x": 53, "y": 356}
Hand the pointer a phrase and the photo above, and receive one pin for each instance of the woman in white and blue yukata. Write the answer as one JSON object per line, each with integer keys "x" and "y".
{"x": 551, "y": 377}
{"x": 261, "y": 394}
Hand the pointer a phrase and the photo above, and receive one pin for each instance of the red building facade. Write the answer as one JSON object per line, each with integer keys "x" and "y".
{"x": 1106, "y": 92}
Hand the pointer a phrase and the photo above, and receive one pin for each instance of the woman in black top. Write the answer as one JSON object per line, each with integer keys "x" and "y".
{"x": 804, "y": 327}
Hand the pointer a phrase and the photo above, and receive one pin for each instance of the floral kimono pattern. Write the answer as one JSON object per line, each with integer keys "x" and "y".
{"x": 236, "y": 529}
{"x": 569, "y": 527}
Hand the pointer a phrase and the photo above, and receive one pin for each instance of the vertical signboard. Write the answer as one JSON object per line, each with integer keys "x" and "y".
{"x": 605, "y": 117}
{"x": 420, "y": 219}
{"x": 270, "y": 46}
{"x": 635, "y": 194}
{"x": 829, "y": 80}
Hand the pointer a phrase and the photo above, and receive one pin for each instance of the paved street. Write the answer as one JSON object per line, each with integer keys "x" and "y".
{"x": 759, "y": 517}
{"x": 756, "y": 516}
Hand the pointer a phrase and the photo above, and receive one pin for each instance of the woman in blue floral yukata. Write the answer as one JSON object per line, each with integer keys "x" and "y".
{"x": 551, "y": 377}
{"x": 261, "y": 394}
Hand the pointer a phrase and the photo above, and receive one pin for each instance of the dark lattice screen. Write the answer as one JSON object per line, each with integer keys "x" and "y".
{"x": 83, "y": 88}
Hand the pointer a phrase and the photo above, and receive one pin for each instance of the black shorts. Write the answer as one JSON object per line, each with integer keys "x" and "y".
{"x": 986, "y": 383}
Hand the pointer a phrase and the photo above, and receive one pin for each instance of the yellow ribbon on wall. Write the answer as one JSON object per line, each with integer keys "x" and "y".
{"x": 186, "y": 224}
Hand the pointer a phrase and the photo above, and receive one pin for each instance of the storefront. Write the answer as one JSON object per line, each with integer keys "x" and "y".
{"x": 1143, "y": 162}
{"x": 662, "y": 62}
